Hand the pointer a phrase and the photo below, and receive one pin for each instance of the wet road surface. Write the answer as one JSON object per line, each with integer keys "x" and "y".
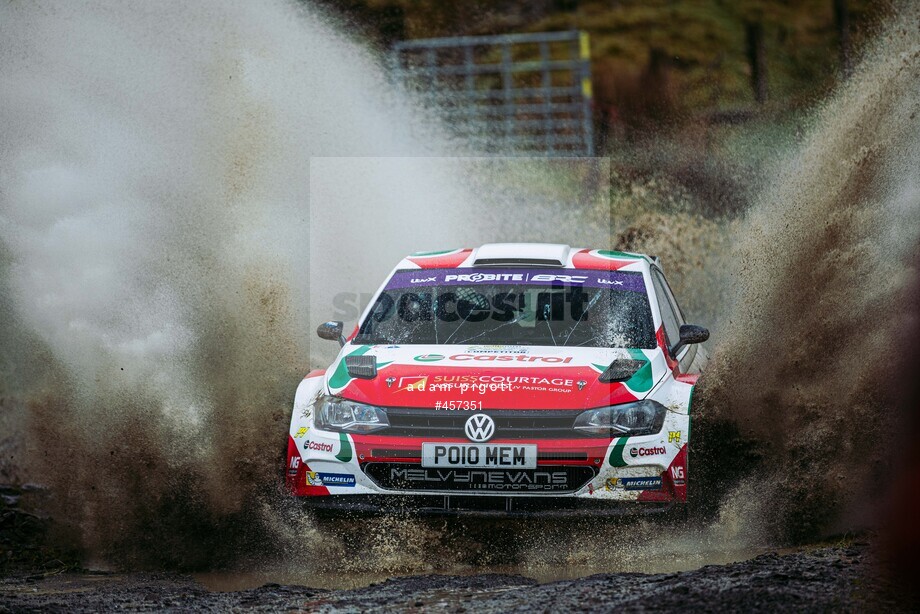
{"x": 832, "y": 578}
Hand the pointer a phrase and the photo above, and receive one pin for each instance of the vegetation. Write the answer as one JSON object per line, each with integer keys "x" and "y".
{"x": 663, "y": 62}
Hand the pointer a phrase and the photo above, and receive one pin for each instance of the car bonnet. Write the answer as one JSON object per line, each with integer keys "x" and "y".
{"x": 494, "y": 377}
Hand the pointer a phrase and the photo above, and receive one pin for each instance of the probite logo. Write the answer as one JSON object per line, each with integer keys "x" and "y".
{"x": 637, "y": 452}
{"x": 479, "y": 428}
{"x": 478, "y": 277}
{"x": 429, "y": 357}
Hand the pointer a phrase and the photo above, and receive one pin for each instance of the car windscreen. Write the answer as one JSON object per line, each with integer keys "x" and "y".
{"x": 560, "y": 307}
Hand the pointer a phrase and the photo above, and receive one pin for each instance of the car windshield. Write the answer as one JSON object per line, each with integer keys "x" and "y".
{"x": 560, "y": 307}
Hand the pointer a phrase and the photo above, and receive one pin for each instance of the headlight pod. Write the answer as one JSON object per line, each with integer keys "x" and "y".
{"x": 626, "y": 420}
{"x": 337, "y": 414}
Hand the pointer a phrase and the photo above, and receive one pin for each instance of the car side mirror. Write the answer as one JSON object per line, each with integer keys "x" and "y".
{"x": 689, "y": 334}
{"x": 331, "y": 331}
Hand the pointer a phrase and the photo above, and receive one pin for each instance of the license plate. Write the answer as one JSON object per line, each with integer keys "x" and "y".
{"x": 472, "y": 455}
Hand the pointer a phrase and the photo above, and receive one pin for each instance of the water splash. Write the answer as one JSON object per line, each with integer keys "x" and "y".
{"x": 155, "y": 167}
{"x": 153, "y": 164}
{"x": 804, "y": 375}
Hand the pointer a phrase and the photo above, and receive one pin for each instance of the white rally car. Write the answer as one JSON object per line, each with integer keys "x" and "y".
{"x": 509, "y": 378}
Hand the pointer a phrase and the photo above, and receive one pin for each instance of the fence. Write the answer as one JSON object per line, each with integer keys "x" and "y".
{"x": 509, "y": 94}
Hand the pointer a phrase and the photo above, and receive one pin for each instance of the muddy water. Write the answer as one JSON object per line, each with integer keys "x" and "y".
{"x": 824, "y": 263}
{"x": 542, "y": 573}
{"x": 152, "y": 230}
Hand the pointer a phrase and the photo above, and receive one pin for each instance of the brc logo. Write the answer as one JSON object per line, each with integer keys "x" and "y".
{"x": 568, "y": 279}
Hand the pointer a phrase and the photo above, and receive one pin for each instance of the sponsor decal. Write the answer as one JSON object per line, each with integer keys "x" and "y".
{"x": 519, "y": 357}
{"x": 319, "y": 446}
{"x": 566, "y": 279}
{"x": 479, "y": 428}
{"x": 481, "y": 479}
{"x": 479, "y": 277}
{"x": 497, "y": 349}
{"x": 618, "y": 280}
{"x": 489, "y": 383}
{"x": 295, "y": 462}
{"x": 641, "y": 483}
{"x": 498, "y": 383}
{"x": 412, "y": 383}
{"x": 637, "y": 452}
{"x": 337, "y": 479}
{"x": 301, "y": 432}
{"x": 510, "y": 357}
{"x": 464, "y": 387}
{"x": 611, "y": 483}
{"x": 314, "y": 478}
{"x": 677, "y": 475}
{"x": 429, "y": 357}
{"x": 674, "y": 436}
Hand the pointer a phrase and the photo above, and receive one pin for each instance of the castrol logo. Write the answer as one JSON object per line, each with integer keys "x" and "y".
{"x": 319, "y": 446}
{"x": 637, "y": 452}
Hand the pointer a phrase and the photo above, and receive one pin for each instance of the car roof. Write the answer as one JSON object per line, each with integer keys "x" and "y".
{"x": 528, "y": 255}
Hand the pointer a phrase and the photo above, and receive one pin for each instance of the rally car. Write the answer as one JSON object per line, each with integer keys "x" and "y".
{"x": 505, "y": 379}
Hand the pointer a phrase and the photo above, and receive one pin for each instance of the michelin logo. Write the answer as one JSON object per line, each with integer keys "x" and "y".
{"x": 641, "y": 483}
{"x": 330, "y": 479}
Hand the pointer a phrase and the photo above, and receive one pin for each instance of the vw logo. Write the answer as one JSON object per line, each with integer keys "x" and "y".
{"x": 479, "y": 427}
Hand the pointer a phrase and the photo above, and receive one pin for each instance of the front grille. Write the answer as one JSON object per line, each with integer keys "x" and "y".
{"x": 509, "y": 423}
{"x": 411, "y": 476}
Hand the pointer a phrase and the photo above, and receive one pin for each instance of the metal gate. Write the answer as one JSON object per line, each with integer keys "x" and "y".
{"x": 508, "y": 94}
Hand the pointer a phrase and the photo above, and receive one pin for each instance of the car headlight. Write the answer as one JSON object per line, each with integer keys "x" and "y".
{"x": 338, "y": 414}
{"x": 626, "y": 420}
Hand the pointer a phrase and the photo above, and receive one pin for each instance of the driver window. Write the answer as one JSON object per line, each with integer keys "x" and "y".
{"x": 669, "y": 317}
